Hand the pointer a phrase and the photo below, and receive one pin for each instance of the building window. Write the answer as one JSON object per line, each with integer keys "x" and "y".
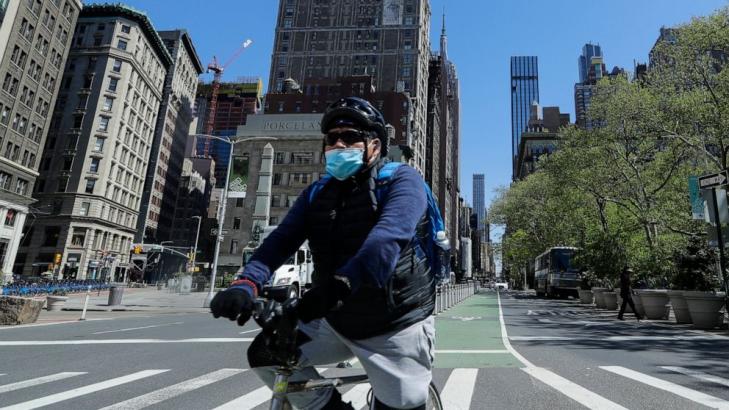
{"x": 90, "y": 183}
{"x": 121, "y": 44}
{"x": 117, "y": 66}
{"x": 94, "y": 167}
{"x": 273, "y": 220}
{"x": 84, "y": 208}
{"x": 239, "y": 202}
{"x": 126, "y": 29}
{"x": 108, "y": 104}
{"x": 5, "y": 180}
{"x": 113, "y": 82}
{"x": 233, "y": 246}
{"x": 280, "y": 158}
{"x": 277, "y": 179}
{"x": 302, "y": 158}
{"x": 99, "y": 144}
{"x": 10, "y": 217}
{"x": 21, "y": 186}
{"x": 236, "y": 223}
{"x": 103, "y": 123}
{"x": 275, "y": 200}
{"x": 79, "y": 237}
{"x": 62, "y": 184}
{"x": 4, "y": 250}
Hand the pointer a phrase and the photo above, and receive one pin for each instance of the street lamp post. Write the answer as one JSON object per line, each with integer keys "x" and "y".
{"x": 221, "y": 206}
{"x": 197, "y": 236}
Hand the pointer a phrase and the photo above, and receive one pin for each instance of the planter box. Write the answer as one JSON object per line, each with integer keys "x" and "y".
{"x": 705, "y": 308}
{"x": 19, "y": 311}
{"x": 599, "y": 299}
{"x": 586, "y": 296}
{"x": 639, "y": 305}
{"x": 611, "y": 300}
{"x": 680, "y": 308}
{"x": 55, "y": 303}
{"x": 655, "y": 303}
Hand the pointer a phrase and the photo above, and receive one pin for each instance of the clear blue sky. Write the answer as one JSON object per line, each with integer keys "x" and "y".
{"x": 482, "y": 35}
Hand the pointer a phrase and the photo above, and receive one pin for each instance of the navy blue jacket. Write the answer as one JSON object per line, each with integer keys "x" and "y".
{"x": 405, "y": 204}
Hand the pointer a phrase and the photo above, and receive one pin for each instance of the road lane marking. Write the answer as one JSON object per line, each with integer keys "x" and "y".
{"x": 698, "y": 375}
{"x": 677, "y": 389}
{"x": 250, "y": 331}
{"x": 123, "y": 341}
{"x": 458, "y": 390}
{"x": 136, "y": 328}
{"x": 54, "y": 323}
{"x": 572, "y": 390}
{"x": 39, "y": 380}
{"x": 357, "y": 395}
{"x": 91, "y": 388}
{"x": 498, "y": 351}
{"x": 618, "y": 338}
{"x": 169, "y": 392}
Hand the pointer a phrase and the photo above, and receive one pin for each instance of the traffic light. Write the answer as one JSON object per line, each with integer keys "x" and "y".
{"x": 57, "y": 258}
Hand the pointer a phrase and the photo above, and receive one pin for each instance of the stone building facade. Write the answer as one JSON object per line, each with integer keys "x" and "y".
{"x": 95, "y": 158}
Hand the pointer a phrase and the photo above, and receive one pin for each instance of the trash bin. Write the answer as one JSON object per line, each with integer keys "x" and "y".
{"x": 115, "y": 295}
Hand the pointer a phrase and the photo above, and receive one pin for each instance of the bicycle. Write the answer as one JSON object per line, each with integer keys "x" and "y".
{"x": 278, "y": 321}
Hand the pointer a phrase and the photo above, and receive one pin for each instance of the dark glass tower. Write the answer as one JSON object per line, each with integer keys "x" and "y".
{"x": 584, "y": 61}
{"x": 524, "y": 91}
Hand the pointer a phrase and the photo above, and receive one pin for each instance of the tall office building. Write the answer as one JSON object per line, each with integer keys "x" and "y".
{"x": 161, "y": 185}
{"x": 479, "y": 204}
{"x": 388, "y": 40}
{"x": 95, "y": 158}
{"x": 591, "y": 70}
{"x": 34, "y": 44}
{"x": 524, "y": 91}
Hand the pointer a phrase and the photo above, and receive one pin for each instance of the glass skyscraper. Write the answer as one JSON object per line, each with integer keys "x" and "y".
{"x": 479, "y": 204}
{"x": 584, "y": 61}
{"x": 524, "y": 91}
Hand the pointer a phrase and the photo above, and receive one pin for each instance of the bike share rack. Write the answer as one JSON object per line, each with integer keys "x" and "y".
{"x": 449, "y": 295}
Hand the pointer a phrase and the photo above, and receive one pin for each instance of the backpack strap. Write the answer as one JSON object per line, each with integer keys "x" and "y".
{"x": 384, "y": 176}
{"x": 317, "y": 186}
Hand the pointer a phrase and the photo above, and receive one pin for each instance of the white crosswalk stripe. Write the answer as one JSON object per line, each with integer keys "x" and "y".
{"x": 39, "y": 380}
{"x": 174, "y": 390}
{"x": 357, "y": 395}
{"x": 698, "y": 375}
{"x": 458, "y": 390}
{"x": 685, "y": 392}
{"x": 70, "y": 394}
{"x": 249, "y": 400}
{"x": 572, "y": 390}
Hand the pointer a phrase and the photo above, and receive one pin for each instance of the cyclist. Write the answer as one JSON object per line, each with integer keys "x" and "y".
{"x": 373, "y": 292}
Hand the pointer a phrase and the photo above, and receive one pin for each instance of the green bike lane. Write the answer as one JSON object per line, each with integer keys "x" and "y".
{"x": 468, "y": 335}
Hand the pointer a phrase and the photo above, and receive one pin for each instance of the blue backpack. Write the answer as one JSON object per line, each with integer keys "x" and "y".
{"x": 437, "y": 251}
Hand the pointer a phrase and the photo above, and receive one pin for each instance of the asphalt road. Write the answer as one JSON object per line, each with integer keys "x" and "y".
{"x": 558, "y": 355}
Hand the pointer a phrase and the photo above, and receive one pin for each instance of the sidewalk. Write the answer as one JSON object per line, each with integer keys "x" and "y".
{"x": 140, "y": 299}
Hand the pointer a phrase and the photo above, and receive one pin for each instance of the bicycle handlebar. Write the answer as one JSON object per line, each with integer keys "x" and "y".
{"x": 279, "y": 324}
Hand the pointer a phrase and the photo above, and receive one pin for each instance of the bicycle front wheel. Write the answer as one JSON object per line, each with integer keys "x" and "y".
{"x": 433, "y": 402}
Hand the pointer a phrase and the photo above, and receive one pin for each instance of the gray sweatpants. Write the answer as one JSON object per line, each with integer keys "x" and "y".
{"x": 398, "y": 363}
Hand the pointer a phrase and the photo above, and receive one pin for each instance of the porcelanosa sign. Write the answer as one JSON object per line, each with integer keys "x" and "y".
{"x": 291, "y": 126}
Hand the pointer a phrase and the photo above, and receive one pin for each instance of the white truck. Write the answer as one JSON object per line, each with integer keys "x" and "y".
{"x": 290, "y": 278}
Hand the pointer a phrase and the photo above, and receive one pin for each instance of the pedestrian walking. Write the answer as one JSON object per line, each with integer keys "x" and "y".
{"x": 626, "y": 293}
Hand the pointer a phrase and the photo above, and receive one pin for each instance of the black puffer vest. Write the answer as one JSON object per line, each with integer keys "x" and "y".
{"x": 339, "y": 220}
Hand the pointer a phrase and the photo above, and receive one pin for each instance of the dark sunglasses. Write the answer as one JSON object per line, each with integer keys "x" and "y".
{"x": 348, "y": 137}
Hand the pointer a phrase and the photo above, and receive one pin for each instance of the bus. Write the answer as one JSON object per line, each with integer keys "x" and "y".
{"x": 555, "y": 273}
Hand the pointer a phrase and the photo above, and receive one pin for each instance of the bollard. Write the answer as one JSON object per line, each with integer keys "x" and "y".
{"x": 86, "y": 303}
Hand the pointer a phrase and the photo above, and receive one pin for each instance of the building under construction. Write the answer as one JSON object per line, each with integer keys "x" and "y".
{"x": 236, "y": 100}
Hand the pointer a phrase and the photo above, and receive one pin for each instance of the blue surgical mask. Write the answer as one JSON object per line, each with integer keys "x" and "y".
{"x": 345, "y": 162}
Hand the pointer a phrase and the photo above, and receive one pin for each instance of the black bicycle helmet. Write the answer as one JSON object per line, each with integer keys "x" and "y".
{"x": 355, "y": 111}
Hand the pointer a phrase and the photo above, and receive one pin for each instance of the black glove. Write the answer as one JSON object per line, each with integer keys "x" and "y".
{"x": 233, "y": 303}
{"x": 320, "y": 300}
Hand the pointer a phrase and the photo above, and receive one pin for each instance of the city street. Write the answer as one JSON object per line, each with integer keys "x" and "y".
{"x": 558, "y": 355}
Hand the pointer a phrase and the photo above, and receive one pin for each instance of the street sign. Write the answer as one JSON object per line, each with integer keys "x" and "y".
{"x": 713, "y": 180}
{"x": 697, "y": 202}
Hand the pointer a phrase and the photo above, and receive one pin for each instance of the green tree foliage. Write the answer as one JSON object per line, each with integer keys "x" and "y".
{"x": 620, "y": 191}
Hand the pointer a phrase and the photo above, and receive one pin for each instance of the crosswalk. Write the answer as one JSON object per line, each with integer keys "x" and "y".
{"x": 461, "y": 388}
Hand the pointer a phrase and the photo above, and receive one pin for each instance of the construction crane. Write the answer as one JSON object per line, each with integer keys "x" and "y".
{"x": 217, "y": 71}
